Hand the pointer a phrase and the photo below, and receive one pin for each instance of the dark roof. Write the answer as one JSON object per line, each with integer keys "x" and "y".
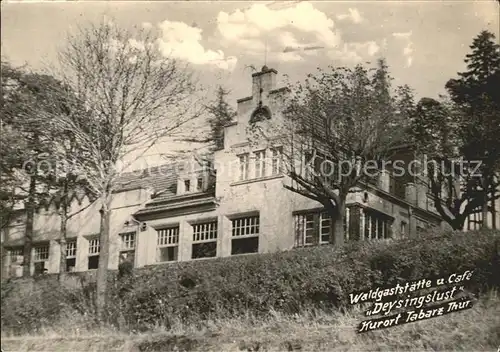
{"x": 162, "y": 178}
{"x": 177, "y": 202}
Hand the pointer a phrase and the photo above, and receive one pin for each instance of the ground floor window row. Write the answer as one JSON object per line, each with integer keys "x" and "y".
{"x": 311, "y": 228}
{"x": 245, "y": 239}
{"x": 315, "y": 227}
{"x": 244, "y": 232}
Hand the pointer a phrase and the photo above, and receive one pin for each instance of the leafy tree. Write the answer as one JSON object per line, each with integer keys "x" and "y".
{"x": 460, "y": 137}
{"x": 334, "y": 135}
{"x": 477, "y": 95}
{"x": 452, "y": 183}
{"x": 24, "y": 102}
{"x": 221, "y": 114}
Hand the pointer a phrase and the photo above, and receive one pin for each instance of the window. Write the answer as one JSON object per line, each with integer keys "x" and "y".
{"x": 94, "y": 246}
{"x": 41, "y": 253}
{"x": 422, "y": 226}
{"x": 40, "y": 258}
{"x": 260, "y": 114}
{"x": 70, "y": 256}
{"x": 94, "y": 249}
{"x": 199, "y": 184}
{"x": 260, "y": 164}
{"x": 276, "y": 161}
{"x": 376, "y": 225}
{"x": 168, "y": 244}
{"x": 128, "y": 241}
{"x": 243, "y": 167}
{"x": 304, "y": 229}
{"x": 16, "y": 255}
{"x": 187, "y": 185}
{"x": 127, "y": 250}
{"x": 245, "y": 233}
{"x": 475, "y": 220}
{"x": 325, "y": 223}
{"x": 204, "y": 240}
{"x": 71, "y": 249}
{"x": 312, "y": 228}
{"x": 404, "y": 228}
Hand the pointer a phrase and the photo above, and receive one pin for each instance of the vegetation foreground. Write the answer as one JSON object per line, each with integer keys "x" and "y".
{"x": 477, "y": 329}
{"x": 292, "y": 300}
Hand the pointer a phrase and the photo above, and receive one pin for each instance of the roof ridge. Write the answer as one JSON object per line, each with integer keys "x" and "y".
{"x": 139, "y": 172}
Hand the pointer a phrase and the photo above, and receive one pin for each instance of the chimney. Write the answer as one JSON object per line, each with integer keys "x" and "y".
{"x": 263, "y": 82}
{"x": 411, "y": 193}
{"x": 384, "y": 180}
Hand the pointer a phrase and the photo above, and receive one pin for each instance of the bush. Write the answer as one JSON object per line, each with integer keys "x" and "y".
{"x": 288, "y": 282}
{"x": 291, "y": 281}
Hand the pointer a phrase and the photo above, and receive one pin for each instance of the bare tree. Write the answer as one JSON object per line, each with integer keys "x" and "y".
{"x": 335, "y": 132}
{"x": 125, "y": 97}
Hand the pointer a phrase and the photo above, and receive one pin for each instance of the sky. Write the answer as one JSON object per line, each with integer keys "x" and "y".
{"x": 423, "y": 42}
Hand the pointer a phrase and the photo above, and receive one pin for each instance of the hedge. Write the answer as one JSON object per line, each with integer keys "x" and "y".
{"x": 288, "y": 282}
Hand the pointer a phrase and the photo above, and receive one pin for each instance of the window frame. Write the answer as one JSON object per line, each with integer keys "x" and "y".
{"x": 260, "y": 163}
{"x": 199, "y": 184}
{"x": 37, "y": 258}
{"x": 12, "y": 254}
{"x": 315, "y": 218}
{"x": 244, "y": 166}
{"x": 70, "y": 250}
{"x": 383, "y": 224}
{"x": 92, "y": 254}
{"x": 240, "y": 225}
{"x": 165, "y": 240}
{"x": 93, "y": 246}
{"x": 125, "y": 239}
{"x": 255, "y": 225}
{"x": 276, "y": 158}
{"x": 206, "y": 235}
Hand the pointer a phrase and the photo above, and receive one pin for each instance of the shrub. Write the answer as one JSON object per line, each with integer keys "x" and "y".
{"x": 287, "y": 282}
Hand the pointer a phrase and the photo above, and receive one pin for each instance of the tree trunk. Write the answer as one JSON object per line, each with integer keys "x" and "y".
{"x": 338, "y": 231}
{"x": 493, "y": 211}
{"x": 64, "y": 220}
{"x": 337, "y": 214}
{"x": 102, "y": 270}
{"x": 28, "y": 234}
{"x": 486, "y": 186}
{"x": 458, "y": 223}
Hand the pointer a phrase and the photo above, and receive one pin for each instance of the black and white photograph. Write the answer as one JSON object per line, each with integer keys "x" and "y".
{"x": 250, "y": 175}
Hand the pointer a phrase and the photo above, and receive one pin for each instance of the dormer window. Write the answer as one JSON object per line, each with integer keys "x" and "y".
{"x": 187, "y": 185}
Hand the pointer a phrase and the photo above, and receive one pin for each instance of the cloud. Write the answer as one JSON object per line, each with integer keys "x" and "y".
{"x": 181, "y": 41}
{"x": 260, "y": 20}
{"x": 290, "y": 33}
{"x": 147, "y": 25}
{"x": 369, "y": 48}
{"x": 353, "y": 15}
{"x": 402, "y": 34}
{"x": 227, "y": 64}
{"x": 408, "y": 49}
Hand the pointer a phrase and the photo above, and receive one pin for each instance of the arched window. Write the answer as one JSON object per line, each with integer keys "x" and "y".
{"x": 260, "y": 114}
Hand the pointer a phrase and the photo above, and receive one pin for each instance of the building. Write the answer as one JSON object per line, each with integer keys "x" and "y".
{"x": 233, "y": 204}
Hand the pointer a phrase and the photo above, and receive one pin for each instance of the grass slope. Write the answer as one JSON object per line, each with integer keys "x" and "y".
{"x": 476, "y": 329}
